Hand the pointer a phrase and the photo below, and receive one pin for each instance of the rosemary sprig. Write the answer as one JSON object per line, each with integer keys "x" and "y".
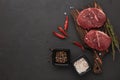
{"x": 111, "y": 33}
{"x": 113, "y": 50}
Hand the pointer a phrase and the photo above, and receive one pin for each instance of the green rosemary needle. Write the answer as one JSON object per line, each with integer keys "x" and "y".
{"x": 115, "y": 42}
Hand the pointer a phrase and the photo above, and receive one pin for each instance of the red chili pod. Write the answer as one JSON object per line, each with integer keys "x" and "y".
{"x": 79, "y": 45}
{"x": 62, "y": 31}
{"x": 59, "y": 35}
{"x": 66, "y": 23}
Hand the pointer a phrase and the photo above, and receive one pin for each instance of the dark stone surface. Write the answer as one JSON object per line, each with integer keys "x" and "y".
{"x": 26, "y": 35}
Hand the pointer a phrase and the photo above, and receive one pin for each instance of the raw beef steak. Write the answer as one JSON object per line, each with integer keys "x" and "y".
{"x": 91, "y": 18}
{"x": 97, "y": 40}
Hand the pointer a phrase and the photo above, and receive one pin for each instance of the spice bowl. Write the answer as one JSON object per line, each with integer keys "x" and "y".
{"x": 61, "y": 57}
{"x": 81, "y": 65}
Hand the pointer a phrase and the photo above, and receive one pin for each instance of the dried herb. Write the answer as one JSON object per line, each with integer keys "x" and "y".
{"x": 115, "y": 42}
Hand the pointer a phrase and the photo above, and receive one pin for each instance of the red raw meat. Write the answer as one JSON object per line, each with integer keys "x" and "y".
{"x": 91, "y": 18}
{"x": 97, "y": 40}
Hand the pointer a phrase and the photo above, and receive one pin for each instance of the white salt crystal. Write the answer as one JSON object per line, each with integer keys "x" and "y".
{"x": 100, "y": 54}
{"x": 81, "y": 65}
{"x": 71, "y": 7}
{"x": 65, "y": 13}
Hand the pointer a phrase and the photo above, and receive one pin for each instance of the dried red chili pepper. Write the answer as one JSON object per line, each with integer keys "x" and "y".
{"x": 79, "y": 45}
{"x": 62, "y": 30}
{"x": 66, "y": 23}
{"x": 59, "y": 35}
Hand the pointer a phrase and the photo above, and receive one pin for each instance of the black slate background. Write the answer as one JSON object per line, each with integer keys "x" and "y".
{"x": 26, "y": 35}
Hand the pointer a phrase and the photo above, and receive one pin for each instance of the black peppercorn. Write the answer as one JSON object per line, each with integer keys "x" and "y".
{"x": 61, "y": 57}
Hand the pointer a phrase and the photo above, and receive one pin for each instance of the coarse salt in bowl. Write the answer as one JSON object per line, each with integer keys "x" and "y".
{"x": 82, "y": 65}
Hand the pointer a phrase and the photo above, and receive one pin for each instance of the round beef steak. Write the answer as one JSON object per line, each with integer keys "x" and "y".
{"x": 91, "y": 18}
{"x": 97, "y": 40}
